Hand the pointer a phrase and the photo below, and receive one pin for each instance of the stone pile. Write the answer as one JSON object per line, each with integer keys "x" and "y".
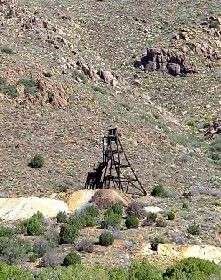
{"x": 163, "y": 59}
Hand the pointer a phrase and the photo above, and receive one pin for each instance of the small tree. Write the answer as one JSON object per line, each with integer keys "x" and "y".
{"x": 72, "y": 259}
{"x": 132, "y": 222}
{"x": 106, "y": 239}
{"x": 37, "y": 161}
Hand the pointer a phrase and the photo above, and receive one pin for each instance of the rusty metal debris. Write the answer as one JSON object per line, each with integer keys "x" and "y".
{"x": 115, "y": 171}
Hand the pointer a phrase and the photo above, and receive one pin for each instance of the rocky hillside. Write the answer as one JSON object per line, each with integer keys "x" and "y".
{"x": 70, "y": 70}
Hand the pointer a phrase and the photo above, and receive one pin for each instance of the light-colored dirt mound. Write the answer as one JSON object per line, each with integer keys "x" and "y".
{"x": 178, "y": 252}
{"x": 106, "y": 197}
{"x": 79, "y": 199}
{"x": 24, "y": 207}
{"x": 102, "y": 198}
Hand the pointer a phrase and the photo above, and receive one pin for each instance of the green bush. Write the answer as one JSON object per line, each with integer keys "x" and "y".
{"x": 152, "y": 216}
{"x": 171, "y": 216}
{"x": 155, "y": 241}
{"x": 37, "y": 161}
{"x": 158, "y": 190}
{"x": 8, "y": 272}
{"x": 9, "y": 90}
{"x": 61, "y": 217}
{"x": 111, "y": 219}
{"x": 90, "y": 221}
{"x": 74, "y": 272}
{"x": 72, "y": 259}
{"x": 194, "y": 269}
{"x": 118, "y": 273}
{"x": 185, "y": 205}
{"x": 132, "y": 222}
{"x": 31, "y": 87}
{"x": 161, "y": 223}
{"x": 68, "y": 234}
{"x": 106, "y": 238}
{"x": 7, "y": 50}
{"x": 6, "y": 231}
{"x": 33, "y": 226}
{"x": 91, "y": 210}
{"x": 144, "y": 271}
{"x": 77, "y": 222}
{"x": 194, "y": 229}
{"x": 117, "y": 208}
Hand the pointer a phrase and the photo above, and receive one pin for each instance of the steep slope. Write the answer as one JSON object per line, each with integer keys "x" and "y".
{"x": 50, "y": 106}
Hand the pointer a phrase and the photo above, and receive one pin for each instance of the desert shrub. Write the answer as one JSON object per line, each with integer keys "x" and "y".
{"x": 14, "y": 250}
{"x": 7, "y": 50}
{"x": 132, "y": 222}
{"x": 214, "y": 151}
{"x": 89, "y": 216}
{"x": 61, "y": 217}
{"x": 185, "y": 205}
{"x": 52, "y": 258}
{"x": 77, "y": 75}
{"x": 31, "y": 87}
{"x": 68, "y": 234}
{"x": 152, "y": 216}
{"x": 72, "y": 259}
{"x": 144, "y": 270}
{"x": 90, "y": 221}
{"x": 171, "y": 216}
{"x": 161, "y": 223}
{"x": 194, "y": 229}
{"x": 77, "y": 222}
{"x": 117, "y": 273}
{"x": 74, "y": 272}
{"x": 92, "y": 211}
{"x": 111, "y": 219}
{"x": 158, "y": 190}
{"x": 6, "y": 231}
{"x": 9, "y": 90}
{"x": 102, "y": 90}
{"x": 8, "y": 272}
{"x": 193, "y": 268}
{"x": 85, "y": 246}
{"x": 106, "y": 238}
{"x": 37, "y": 161}
{"x": 136, "y": 209}
{"x": 40, "y": 247}
{"x": 117, "y": 208}
{"x": 32, "y": 226}
{"x": 155, "y": 241}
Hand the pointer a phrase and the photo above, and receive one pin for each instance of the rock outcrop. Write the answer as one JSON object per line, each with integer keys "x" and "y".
{"x": 97, "y": 75}
{"x": 163, "y": 59}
